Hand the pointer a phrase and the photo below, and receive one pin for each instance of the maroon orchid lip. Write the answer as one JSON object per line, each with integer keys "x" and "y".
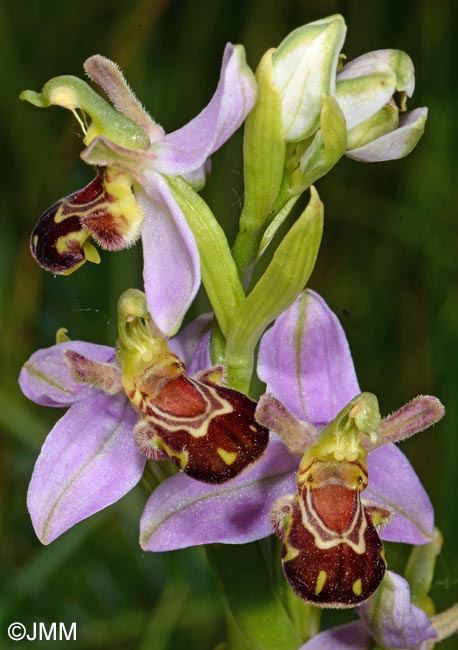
{"x": 105, "y": 210}
{"x": 57, "y": 241}
{"x": 332, "y": 556}
{"x": 208, "y": 430}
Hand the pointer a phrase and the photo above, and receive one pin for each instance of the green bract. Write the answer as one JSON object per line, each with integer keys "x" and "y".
{"x": 219, "y": 273}
{"x": 282, "y": 281}
{"x": 325, "y": 149}
{"x": 263, "y": 149}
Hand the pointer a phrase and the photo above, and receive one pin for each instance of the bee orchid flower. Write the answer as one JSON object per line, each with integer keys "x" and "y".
{"x": 130, "y": 196}
{"x": 126, "y": 406}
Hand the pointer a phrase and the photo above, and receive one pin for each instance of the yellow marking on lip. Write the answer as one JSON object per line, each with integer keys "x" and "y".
{"x": 320, "y": 582}
{"x": 228, "y": 457}
{"x": 253, "y": 428}
{"x": 291, "y": 553}
{"x": 181, "y": 457}
{"x": 357, "y": 587}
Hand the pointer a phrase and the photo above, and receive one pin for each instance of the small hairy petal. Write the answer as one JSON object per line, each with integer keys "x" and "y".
{"x": 187, "y": 149}
{"x": 88, "y": 461}
{"x": 235, "y": 512}
{"x": 46, "y": 377}
{"x": 171, "y": 270}
{"x": 415, "y": 416}
{"x": 394, "y": 484}
{"x": 108, "y": 76}
{"x": 306, "y": 362}
{"x": 104, "y": 376}
{"x": 296, "y": 435}
{"x": 352, "y": 636}
{"x": 391, "y": 618}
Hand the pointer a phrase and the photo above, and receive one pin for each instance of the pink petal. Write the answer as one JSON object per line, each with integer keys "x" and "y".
{"x": 88, "y": 461}
{"x": 306, "y": 362}
{"x": 187, "y": 341}
{"x": 182, "y": 512}
{"x": 394, "y": 484}
{"x": 392, "y": 619}
{"x": 187, "y": 149}
{"x": 352, "y": 636}
{"x": 171, "y": 266}
{"x": 201, "y": 358}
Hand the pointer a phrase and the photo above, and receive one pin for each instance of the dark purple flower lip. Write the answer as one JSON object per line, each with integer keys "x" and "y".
{"x": 58, "y": 239}
{"x": 105, "y": 210}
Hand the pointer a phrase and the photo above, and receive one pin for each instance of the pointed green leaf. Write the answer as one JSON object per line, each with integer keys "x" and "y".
{"x": 263, "y": 149}
{"x": 283, "y": 280}
{"x": 219, "y": 273}
{"x": 263, "y": 164}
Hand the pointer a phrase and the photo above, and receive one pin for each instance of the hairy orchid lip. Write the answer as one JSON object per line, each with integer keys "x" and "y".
{"x": 105, "y": 210}
{"x": 58, "y": 239}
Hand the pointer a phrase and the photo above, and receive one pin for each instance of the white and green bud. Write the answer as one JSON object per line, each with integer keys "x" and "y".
{"x": 296, "y": 82}
{"x": 372, "y": 92}
{"x": 305, "y": 66}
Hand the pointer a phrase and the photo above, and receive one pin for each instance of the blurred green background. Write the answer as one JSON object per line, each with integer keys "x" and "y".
{"x": 387, "y": 267}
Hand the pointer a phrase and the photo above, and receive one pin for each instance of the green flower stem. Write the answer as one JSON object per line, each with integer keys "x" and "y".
{"x": 251, "y": 242}
{"x": 219, "y": 272}
{"x": 251, "y": 596}
{"x": 446, "y": 623}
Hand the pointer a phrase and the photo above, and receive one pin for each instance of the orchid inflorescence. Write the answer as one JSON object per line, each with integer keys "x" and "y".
{"x": 313, "y": 462}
